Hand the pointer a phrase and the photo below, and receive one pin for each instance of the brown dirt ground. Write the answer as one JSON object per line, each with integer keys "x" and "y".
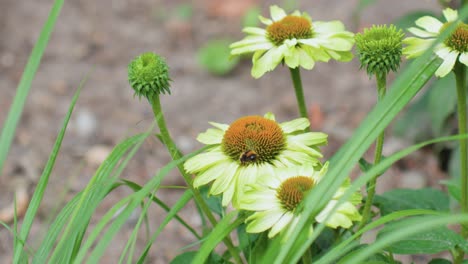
{"x": 101, "y": 37}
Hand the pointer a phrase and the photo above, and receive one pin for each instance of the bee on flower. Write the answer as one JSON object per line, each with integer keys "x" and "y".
{"x": 250, "y": 146}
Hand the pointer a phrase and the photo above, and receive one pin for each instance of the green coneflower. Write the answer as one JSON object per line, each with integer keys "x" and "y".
{"x": 379, "y": 49}
{"x": 148, "y": 74}
{"x": 249, "y": 146}
{"x": 295, "y": 40}
{"x": 453, "y": 48}
{"x": 276, "y": 196}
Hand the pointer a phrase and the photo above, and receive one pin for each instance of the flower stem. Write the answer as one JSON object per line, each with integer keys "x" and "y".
{"x": 381, "y": 89}
{"x": 296, "y": 78}
{"x": 460, "y": 77}
{"x": 175, "y": 155}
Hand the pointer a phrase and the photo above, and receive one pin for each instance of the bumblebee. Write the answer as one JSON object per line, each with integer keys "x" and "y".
{"x": 248, "y": 156}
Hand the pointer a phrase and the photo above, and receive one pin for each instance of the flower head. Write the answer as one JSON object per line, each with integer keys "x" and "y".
{"x": 453, "y": 48}
{"x": 249, "y": 146}
{"x": 148, "y": 74}
{"x": 276, "y": 196}
{"x": 295, "y": 40}
{"x": 379, "y": 49}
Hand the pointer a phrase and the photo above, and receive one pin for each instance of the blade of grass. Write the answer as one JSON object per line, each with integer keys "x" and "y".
{"x": 186, "y": 197}
{"x": 16, "y": 108}
{"x": 80, "y": 220}
{"x": 75, "y": 204}
{"x": 118, "y": 222}
{"x": 136, "y": 187}
{"x": 222, "y": 229}
{"x": 406, "y": 228}
{"x": 44, "y": 179}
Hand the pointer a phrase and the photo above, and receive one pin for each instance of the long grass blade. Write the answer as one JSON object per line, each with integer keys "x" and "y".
{"x": 134, "y": 201}
{"x": 186, "y": 197}
{"x": 44, "y": 179}
{"x": 16, "y": 108}
{"x": 222, "y": 229}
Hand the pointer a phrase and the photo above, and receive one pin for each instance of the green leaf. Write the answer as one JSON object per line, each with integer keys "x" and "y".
{"x": 16, "y": 108}
{"x": 364, "y": 3}
{"x": 453, "y": 187}
{"x": 430, "y": 242}
{"x": 405, "y": 229}
{"x": 442, "y": 103}
{"x": 246, "y": 240}
{"x": 215, "y": 57}
{"x": 404, "y": 199}
{"x": 213, "y": 201}
{"x": 440, "y": 261}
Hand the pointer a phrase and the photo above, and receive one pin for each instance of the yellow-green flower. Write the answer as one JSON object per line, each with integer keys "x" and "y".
{"x": 249, "y": 146}
{"x": 294, "y": 40}
{"x": 453, "y": 48}
{"x": 276, "y": 196}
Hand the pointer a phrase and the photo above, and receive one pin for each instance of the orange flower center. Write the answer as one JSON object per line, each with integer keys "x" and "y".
{"x": 292, "y": 191}
{"x": 288, "y": 28}
{"x": 253, "y": 140}
{"x": 458, "y": 40}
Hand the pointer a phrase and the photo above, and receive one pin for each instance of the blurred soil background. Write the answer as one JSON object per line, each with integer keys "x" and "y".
{"x": 99, "y": 39}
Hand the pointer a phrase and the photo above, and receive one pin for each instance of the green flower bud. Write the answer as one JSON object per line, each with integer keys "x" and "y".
{"x": 148, "y": 74}
{"x": 379, "y": 49}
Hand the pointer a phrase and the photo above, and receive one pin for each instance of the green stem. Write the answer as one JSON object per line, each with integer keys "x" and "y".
{"x": 176, "y": 154}
{"x": 307, "y": 257}
{"x": 460, "y": 77}
{"x": 366, "y": 213}
{"x": 296, "y": 78}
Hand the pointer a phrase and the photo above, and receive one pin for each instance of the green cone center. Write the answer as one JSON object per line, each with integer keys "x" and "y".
{"x": 288, "y": 28}
{"x": 458, "y": 40}
{"x": 253, "y": 140}
{"x": 292, "y": 191}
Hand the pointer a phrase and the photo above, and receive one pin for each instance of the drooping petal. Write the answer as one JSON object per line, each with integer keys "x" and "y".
{"x": 211, "y": 136}
{"x": 252, "y": 48}
{"x": 328, "y": 27}
{"x": 422, "y": 33}
{"x": 429, "y": 23}
{"x": 210, "y": 174}
{"x": 256, "y": 200}
{"x": 464, "y": 58}
{"x": 449, "y": 57}
{"x": 204, "y": 160}
{"x": 416, "y": 46}
{"x": 277, "y": 13}
{"x": 295, "y": 125}
{"x": 227, "y": 179}
{"x": 223, "y": 127}
{"x": 268, "y": 61}
{"x": 261, "y": 221}
{"x": 450, "y": 14}
{"x": 255, "y": 31}
{"x": 265, "y": 20}
{"x": 281, "y": 224}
